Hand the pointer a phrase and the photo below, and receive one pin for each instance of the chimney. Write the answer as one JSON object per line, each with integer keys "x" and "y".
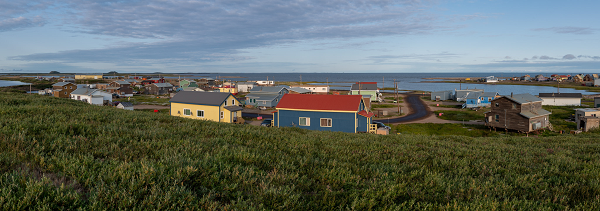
{"x": 511, "y": 94}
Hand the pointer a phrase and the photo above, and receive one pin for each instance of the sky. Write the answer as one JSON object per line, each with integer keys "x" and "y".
{"x": 304, "y": 36}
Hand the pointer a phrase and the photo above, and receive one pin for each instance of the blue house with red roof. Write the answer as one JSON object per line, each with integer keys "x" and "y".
{"x": 344, "y": 113}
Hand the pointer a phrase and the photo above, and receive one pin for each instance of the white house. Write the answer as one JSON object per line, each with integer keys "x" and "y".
{"x": 561, "y": 99}
{"x": 245, "y": 86}
{"x": 319, "y": 89}
{"x": 91, "y": 96}
{"x": 265, "y": 83}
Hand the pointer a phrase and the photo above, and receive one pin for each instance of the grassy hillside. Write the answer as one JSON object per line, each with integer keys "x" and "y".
{"x": 63, "y": 154}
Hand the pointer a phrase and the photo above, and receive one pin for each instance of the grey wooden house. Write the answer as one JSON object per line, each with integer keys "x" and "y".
{"x": 521, "y": 112}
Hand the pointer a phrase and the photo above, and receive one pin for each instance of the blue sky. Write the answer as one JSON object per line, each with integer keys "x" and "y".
{"x": 240, "y": 36}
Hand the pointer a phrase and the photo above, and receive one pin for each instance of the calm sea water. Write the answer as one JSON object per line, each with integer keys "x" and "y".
{"x": 407, "y": 81}
{"x": 11, "y": 83}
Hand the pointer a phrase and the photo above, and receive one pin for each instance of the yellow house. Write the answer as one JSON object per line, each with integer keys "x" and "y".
{"x": 214, "y": 106}
{"x": 232, "y": 90}
{"x": 88, "y": 76}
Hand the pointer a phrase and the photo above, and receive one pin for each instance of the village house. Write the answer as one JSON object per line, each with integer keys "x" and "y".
{"x": 442, "y": 95}
{"x": 461, "y": 94}
{"x": 245, "y": 86}
{"x": 298, "y": 90}
{"x": 228, "y": 89}
{"x": 479, "y": 99}
{"x": 157, "y": 80}
{"x": 91, "y": 96}
{"x": 120, "y": 87}
{"x": 187, "y": 83}
{"x": 72, "y": 80}
{"x": 125, "y": 106}
{"x": 63, "y": 89}
{"x": 366, "y": 88}
{"x": 262, "y": 96}
{"x": 587, "y": 118}
{"x": 88, "y": 76}
{"x": 213, "y": 106}
{"x": 158, "y": 88}
{"x": 597, "y": 102}
{"x": 265, "y": 83}
{"x": 315, "y": 89}
{"x": 344, "y": 113}
{"x": 561, "y": 99}
{"x": 521, "y": 112}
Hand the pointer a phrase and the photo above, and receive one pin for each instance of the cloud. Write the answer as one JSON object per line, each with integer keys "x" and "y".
{"x": 534, "y": 57}
{"x": 20, "y": 22}
{"x": 568, "y": 30}
{"x": 569, "y": 57}
{"x": 17, "y": 14}
{"x": 507, "y": 57}
{"x": 589, "y": 57}
{"x": 216, "y": 30}
{"x": 547, "y": 58}
{"x": 426, "y": 57}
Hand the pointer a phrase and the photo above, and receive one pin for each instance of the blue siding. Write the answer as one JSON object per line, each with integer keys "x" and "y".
{"x": 363, "y": 124}
{"x": 343, "y": 122}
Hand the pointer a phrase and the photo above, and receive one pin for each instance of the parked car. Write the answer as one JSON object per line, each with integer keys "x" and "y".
{"x": 266, "y": 122}
{"x": 381, "y": 125}
{"x": 115, "y": 95}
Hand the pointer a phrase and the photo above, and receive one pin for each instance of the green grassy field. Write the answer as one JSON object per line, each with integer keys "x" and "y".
{"x": 460, "y": 115}
{"x": 63, "y": 154}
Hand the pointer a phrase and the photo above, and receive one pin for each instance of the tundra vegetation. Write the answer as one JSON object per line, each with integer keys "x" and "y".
{"x": 64, "y": 154}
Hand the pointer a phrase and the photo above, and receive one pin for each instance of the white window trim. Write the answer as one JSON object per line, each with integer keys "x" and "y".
{"x": 202, "y": 113}
{"x": 307, "y": 121}
{"x": 225, "y": 102}
{"x": 232, "y": 101}
{"x": 187, "y": 109}
{"x": 330, "y": 120}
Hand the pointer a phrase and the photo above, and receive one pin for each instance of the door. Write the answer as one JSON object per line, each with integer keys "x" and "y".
{"x": 235, "y": 116}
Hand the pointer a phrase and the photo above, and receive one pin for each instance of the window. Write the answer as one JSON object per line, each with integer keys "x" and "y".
{"x": 187, "y": 112}
{"x": 489, "y": 99}
{"x": 232, "y": 102}
{"x": 325, "y": 122}
{"x": 323, "y": 88}
{"x": 497, "y": 118}
{"x": 65, "y": 92}
{"x": 200, "y": 113}
{"x": 497, "y": 104}
{"x": 225, "y": 102}
{"x": 304, "y": 121}
{"x": 222, "y": 115}
{"x": 514, "y": 106}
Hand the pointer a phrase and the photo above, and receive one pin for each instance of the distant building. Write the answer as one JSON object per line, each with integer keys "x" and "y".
{"x": 364, "y": 88}
{"x": 63, "y": 89}
{"x": 245, "y": 86}
{"x": 585, "y": 116}
{"x": 91, "y": 96}
{"x": 125, "y": 106}
{"x": 442, "y": 95}
{"x": 561, "y": 99}
{"x": 597, "y": 102}
{"x": 88, "y": 76}
{"x": 317, "y": 89}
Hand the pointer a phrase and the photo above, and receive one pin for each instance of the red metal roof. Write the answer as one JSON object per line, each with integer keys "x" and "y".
{"x": 320, "y": 102}
{"x": 365, "y": 114}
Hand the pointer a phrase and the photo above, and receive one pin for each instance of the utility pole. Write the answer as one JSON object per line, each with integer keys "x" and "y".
{"x": 301, "y": 79}
{"x": 383, "y": 83}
